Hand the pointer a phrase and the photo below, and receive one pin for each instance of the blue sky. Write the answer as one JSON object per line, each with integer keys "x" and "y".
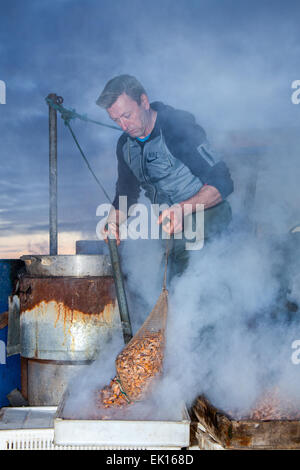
{"x": 231, "y": 63}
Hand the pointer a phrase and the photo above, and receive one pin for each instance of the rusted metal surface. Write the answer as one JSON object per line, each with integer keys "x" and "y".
{"x": 3, "y": 320}
{"x": 67, "y": 318}
{"x": 86, "y": 295}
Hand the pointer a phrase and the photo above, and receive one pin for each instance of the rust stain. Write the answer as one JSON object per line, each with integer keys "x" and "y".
{"x": 244, "y": 441}
{"x": 67, "y": 317}
{"x": 69, "y": 321}
{"x": 86, "y": 295}
{"x": 69, "y": 304}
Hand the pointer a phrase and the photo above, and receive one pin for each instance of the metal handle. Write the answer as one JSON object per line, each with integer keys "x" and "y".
{"x": 121, "y": 296}
{"x": 166, "y": 220}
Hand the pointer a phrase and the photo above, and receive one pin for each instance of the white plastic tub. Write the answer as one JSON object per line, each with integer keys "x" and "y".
{"x": 125, "y": 434}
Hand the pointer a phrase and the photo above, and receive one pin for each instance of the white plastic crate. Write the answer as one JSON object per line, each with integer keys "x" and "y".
{"x": 29, "y": 428}
{"x": 26, "y": 439}
{"x": 35, "y": 439}
{"x": 26, "y": 428}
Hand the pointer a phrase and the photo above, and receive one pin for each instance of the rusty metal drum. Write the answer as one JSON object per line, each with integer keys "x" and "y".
{"x": 67, "y": 318}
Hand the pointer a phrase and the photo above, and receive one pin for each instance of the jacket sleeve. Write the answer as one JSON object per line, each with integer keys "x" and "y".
{"x": 217, "y": 174}
{"x": 187, "y": 141}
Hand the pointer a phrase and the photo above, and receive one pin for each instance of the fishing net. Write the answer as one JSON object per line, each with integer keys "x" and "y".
{"x": 141, "y": 360}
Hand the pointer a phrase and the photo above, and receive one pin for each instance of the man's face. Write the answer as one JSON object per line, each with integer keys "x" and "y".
{"x": 129, "y": 115}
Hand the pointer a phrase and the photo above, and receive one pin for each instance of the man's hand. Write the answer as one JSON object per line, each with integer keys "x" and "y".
{"x": 171, "y": 219}
{"x": 207, "y": 197}
{"x": 111, "y": 228}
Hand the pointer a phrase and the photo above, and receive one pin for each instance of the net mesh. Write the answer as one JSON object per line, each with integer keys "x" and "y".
{"x": 140, "y": 362}
{"x": 142, "y": 358}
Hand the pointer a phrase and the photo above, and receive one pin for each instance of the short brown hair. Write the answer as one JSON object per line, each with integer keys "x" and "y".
{"x": 118, "y": 85}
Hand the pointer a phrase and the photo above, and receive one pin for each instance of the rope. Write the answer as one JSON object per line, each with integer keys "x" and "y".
{"x": 122, "y": 391}
{"x": 88, "y": 165}
{"x": 166, "y": 264}
{"x": 68, "y": 114}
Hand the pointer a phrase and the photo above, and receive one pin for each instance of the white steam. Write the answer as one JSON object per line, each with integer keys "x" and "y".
{"x": 229, "y": 330}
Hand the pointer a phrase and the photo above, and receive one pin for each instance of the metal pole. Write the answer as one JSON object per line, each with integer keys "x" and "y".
{"x": 120, "y": 290}
{"x": 53, "y": 176}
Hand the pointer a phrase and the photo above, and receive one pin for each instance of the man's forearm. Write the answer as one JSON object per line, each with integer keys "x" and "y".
{"x": 209, "y": 196}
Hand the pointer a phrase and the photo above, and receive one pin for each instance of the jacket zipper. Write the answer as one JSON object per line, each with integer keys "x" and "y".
{"x": 144, "y": 176}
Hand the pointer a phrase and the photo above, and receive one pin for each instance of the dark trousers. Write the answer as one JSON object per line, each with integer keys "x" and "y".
{"x": 216, "y": 221}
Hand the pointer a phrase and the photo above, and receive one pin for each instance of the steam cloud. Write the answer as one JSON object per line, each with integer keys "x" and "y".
{"x": 230, "y": 330}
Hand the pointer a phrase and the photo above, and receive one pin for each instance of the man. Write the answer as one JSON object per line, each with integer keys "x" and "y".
{"x": 165, "y": 152}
